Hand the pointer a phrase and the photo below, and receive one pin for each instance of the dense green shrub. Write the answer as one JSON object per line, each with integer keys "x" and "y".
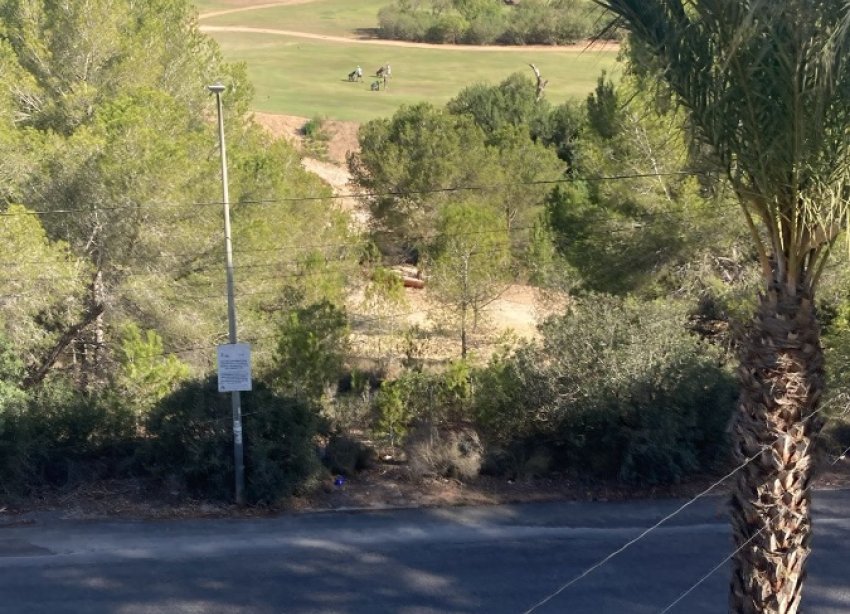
{"x": 12, "y": 396}
{"x": 346, "y": 455}
{"x": 485, "y": 30}
{"x": 437, "y": 398}
{"x": 191, "y": 439}
{"x": 834, "y": 316}
{"x": 396, "y": 24}
{"x": 619, "y": 389}
{"x": 144, "y": 371}
{"x": 311, "y": 345}
{"x": 393, "y": 414}
{"x": 561, "y": 128}
{"x": 447, "y": 29}
{"x": 397, "y": 155}
{"x": 532, "y": 22}
{"x": 513, "y": 102}
{"x": 57, "y": 437}
{"x": 546, "y": 22}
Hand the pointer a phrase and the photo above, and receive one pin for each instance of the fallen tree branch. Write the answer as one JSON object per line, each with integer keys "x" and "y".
{"x": 36, "y": 374}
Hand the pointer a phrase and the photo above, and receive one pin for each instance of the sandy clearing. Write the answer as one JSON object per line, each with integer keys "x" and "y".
{"x": 342, "y": 134}
{"x": 333, "y": 171}
{"x": 339, "y": 179}
{"x": 518, "y": 308}
{"x": 580, "y": 48}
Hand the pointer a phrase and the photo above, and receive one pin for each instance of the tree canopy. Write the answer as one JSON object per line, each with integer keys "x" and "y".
{"x": 114, "y": 153}
{"x": 767, "y": 90}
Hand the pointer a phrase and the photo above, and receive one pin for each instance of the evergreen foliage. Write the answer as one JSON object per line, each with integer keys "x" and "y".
{"x": 415, "y": 161}
{"x": 619, "y": 389}
{"x": 311, "y": 347}
{"x": 112, "y": 267}
{"x": 470, "y": 265}
{"x": 481, "y": 22}
{"x": 191, "y": 441}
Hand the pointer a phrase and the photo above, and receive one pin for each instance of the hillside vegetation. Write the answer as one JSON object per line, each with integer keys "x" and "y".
{"x": 484, "y": 22}
{"x": 112, "y": 297}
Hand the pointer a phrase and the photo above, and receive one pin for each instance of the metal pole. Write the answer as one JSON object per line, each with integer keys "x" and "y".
{"x": 238, "y": 452}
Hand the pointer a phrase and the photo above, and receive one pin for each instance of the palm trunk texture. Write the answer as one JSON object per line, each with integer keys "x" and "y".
{"x": 781, "y": 383}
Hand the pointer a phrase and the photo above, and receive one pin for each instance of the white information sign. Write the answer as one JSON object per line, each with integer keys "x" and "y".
{"x": 234, "y": 367}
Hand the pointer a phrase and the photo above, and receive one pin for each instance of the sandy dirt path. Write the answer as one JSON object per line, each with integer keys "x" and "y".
{"x": 252, "y": 7}
{"x": 580, "y": 48}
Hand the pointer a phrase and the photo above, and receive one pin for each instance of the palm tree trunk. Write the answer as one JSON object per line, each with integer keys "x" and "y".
{"x": 782, "y": 379}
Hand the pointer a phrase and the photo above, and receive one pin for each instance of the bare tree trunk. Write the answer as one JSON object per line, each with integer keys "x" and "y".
{"x": 93, "y": 346}
{"x": 464, "y": 305}
{"x": 782, "y": 380}
{"x": 38, "y": 372}
{"x": 99, "y": 335}
{"x": 541, "y": 82}
{"x": 463, "y": 333}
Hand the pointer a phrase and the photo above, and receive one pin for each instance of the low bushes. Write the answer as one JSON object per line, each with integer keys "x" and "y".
{"x": 450, "y": 451}
{"x": 530, "y": 22}
{"x": 54, "y": 437}
{"x": 191, "y": 440}
{"x": 346, "y": 455}
{"x": 618, "y": 390}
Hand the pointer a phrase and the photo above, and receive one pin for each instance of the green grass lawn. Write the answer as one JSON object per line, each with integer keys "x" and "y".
{"x": 204, "y": 6}
{"x": 333, "y": 17}
{"x": 295, "y": 76}
{"x": 306, "y": 77}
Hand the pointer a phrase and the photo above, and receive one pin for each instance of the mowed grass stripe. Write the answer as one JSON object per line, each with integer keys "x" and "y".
{"x": 305, "y": 77}
{"x": 331, "y": 17}
{"x": 205, "y": 6}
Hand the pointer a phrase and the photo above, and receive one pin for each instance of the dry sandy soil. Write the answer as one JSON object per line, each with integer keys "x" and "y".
{"x": 343, "y": 136}
{"x": 517, "y": 309}
{"x": 240, "y": 6}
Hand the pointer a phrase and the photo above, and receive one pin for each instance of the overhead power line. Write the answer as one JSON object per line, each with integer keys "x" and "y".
{"x": 362, "y": 195}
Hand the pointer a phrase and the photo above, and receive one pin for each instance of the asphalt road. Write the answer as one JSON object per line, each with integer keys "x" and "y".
{"x": 493, "y": 559}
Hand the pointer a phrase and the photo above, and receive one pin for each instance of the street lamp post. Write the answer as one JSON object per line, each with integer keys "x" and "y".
{"x": 238, "y": 452}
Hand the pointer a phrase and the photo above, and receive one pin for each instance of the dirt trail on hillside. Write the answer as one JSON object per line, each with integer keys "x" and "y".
{"x": 577, "y": 48}
{"x": 517, "y": 309}
{"x": 252, "y": 7}
{"x": 342, "y": 135}
{"x": 580, "y": 48}
{"x": 246, "y": 5}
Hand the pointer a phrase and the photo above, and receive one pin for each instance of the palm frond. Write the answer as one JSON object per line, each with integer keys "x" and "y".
{"x": 767, "y": 85}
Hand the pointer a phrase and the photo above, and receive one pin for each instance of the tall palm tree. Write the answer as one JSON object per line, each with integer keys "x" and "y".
{"x": 767, "y": 86}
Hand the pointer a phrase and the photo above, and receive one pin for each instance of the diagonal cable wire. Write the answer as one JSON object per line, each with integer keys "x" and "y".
{"x": 672, "y": 514}
{"x": 841, "y": 456}
{"x": 494, "y": 187}
{"x": 711, "y": 573}
{"x": 643, "y": 534}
